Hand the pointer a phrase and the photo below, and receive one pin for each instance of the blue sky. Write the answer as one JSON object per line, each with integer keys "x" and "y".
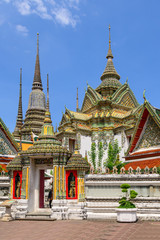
{"x": 73, "y": 46}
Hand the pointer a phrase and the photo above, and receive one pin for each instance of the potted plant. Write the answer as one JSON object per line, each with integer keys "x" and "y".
{"x": 127, "y": 211}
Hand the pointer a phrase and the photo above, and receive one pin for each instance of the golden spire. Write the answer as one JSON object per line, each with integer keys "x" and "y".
{"x": 47, "y": 113}
{"x": 47, "y": 107}
{"x": 109, "y": 54}
{"x": 77, "y": 108}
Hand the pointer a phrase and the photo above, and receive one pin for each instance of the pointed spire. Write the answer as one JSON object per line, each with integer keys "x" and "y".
{"x": 47, "y": 107}
{"x": 19, "y": 121}
{"x": 109, "y": 54}
{"x": 47, "y": 113}
{"x": 110, "y": 71}
{"x": 77, "y": 108}
{"x": 37, "y": 83}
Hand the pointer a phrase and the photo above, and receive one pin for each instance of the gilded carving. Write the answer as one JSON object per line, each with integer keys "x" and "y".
{"x": 151, "y": 136}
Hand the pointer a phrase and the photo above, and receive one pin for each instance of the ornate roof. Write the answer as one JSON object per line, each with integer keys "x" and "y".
{"x": 15, "y": 163}
{"x": 8, "y": 145}
{"x": 91, "y": 99}
{"x": 143, "y": 164}
{"x": 147, "y": 131}
{"x": 110, "y": 77}
{"x": 76, "y": 162}
{"x": 125, "y": 96}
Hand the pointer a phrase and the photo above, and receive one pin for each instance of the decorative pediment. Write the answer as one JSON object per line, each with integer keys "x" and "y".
{"x": 91, "y": 98}
{"x": 125, "y": 96}
{"x": 65, "y": 118}
{"x": 8, "y": 146}
{"x": 147, "y": 130}
{"x": 150, "y": 136}
{"x": 87, "y": 103}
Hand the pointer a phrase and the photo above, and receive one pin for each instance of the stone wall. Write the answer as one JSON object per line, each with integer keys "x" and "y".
{"x": 103, "y": 193}
{"x": 4, "y": 192}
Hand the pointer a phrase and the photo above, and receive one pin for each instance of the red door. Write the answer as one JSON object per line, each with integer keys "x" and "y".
{"x": 71, "y": 184}
{"x": 41, "y": 190}
{"x": 17, "y": 184}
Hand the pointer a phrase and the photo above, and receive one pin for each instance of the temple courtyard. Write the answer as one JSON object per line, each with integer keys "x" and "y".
{"x": 78, "y": 230}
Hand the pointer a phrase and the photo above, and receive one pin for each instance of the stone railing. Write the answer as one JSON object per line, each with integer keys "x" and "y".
{"x": 129, "y": 170}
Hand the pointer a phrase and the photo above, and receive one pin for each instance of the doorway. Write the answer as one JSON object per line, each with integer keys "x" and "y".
{"x": 71, "y": 184}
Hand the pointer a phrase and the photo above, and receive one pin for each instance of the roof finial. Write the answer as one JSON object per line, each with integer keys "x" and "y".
{"x": 109, "y": 36}
{"x": 47, "y": 107}
{"x": 56, "y": 128}
{"x": 37, "y": 43}
{"x": 77, "y": 108}
{"x": 144, "y": 97}
{"x": 37, "y": 83}
{"x": 109, "y": 54}
{"x": 47, "y": 113}
{"x": 127, "y": 80}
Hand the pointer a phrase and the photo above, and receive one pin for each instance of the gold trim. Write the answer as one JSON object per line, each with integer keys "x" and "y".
{"x": 11, "y": 187}
{"x": 55, "y": 176}
{"x": 27, "y": 184}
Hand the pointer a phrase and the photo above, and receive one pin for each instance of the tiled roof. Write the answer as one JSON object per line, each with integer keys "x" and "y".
{"x": 142, "y": 164}
{"x": 80, "y": 116}
{"x": 145, "y": 151}
{"x": 85, "y": 127}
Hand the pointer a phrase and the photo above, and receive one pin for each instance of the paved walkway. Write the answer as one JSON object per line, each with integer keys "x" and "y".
{"x": 78, "y": 230}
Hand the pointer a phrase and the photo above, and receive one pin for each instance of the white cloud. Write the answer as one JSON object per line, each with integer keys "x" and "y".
{"x": 63, "y": 12}
{"x": 64, "y": 17}
{"x": 22, "y": 29}
{"x": 23, "y": 7}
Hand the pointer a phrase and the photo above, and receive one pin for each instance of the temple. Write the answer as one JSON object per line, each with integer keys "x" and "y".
{"x": 108, "y": 112}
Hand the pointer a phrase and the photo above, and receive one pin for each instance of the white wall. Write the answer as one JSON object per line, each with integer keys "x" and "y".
{"x": 122, "y": 142}
{"x": 85, "y": 144}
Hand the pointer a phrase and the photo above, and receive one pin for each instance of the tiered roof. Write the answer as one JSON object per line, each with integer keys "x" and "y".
{"x": 77, "y": 162}
{"x": 110, "y": 77}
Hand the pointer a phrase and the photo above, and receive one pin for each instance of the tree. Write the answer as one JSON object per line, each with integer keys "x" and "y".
{"x": 92, "y": 155}
{"x": 100, "y": 154}
{"x": 113, "y": 156}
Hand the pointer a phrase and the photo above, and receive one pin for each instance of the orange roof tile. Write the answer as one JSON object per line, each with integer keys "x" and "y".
{"x": 147, "y": 151}
{"x": 142, "y": 164}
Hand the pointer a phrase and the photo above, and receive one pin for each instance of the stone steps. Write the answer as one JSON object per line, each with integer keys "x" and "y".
{"x": 39, "y": 216}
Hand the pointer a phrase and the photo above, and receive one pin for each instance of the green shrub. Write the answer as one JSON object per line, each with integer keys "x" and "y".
{"x": 125, "y": 202}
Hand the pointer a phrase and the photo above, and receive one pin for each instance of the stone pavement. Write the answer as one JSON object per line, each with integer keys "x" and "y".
{"x": 78, "y": 230}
